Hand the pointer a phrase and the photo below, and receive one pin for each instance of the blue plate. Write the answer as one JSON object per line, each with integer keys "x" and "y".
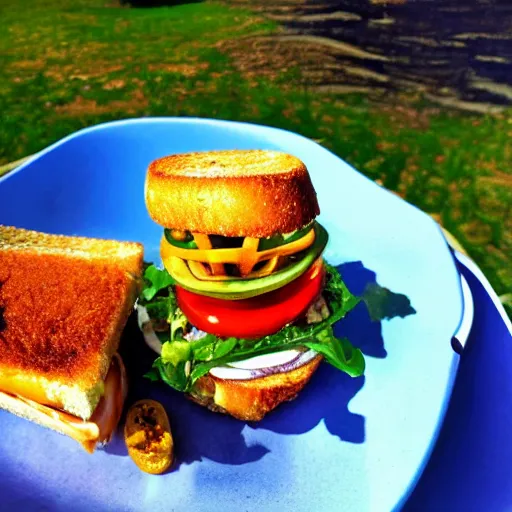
{"x": 343, "y": 444}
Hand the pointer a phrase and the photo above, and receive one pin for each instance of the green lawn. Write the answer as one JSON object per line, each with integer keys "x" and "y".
{"x": 68, "y": 64}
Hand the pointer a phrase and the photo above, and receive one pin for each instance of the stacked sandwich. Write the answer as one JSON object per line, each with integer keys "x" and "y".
{"x": 64, "y": 302}
{"x": 242, "y": 313}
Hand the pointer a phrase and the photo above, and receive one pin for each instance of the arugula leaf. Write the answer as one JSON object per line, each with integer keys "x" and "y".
{"x": 224, "y": 348}
{"x": 183, "y": 362}
{"x": 174, "y": 376}
{"x": 339, "y": 352}
{"x": 158, "y": 308}
{"x": 339, "y": 297}
{"x": 155, "y": 281}
{"x": 215, "y": 348}
{"x": 177, "y": 320}
{"x": 383, "y": 303}
{"x": 153, "y": 375}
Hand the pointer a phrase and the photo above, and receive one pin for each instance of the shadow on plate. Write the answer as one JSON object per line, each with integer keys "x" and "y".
{"x": 22, "y": 491}
{"x": 330, "y": 391}
{"x": 200, "y": 434}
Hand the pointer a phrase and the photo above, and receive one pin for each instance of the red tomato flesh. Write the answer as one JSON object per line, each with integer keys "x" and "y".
{"x": 257, "y": 316}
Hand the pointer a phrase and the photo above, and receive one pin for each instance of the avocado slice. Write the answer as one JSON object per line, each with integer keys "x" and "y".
{"x": 234, "y": 289}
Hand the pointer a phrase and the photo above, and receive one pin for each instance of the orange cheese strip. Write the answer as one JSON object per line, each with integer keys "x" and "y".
{"x": 203, "y": 243}
{"x": 248, "y": 256}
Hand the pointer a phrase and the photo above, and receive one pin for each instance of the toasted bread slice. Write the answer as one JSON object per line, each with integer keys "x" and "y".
{"x": 250, "y": 400}
{"x": 64, "y": 302}
{"x": 254, "y": 193}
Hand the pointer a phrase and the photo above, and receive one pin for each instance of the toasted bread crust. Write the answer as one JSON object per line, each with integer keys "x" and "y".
{"x": 251, "y": 193}
{"x": 251, "y": 400}
{"x": 64, "y": 306}
{"x": 123, "y": 255}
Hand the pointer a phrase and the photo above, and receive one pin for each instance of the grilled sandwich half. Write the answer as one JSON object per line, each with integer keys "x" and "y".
{"x": 64, "y": 302}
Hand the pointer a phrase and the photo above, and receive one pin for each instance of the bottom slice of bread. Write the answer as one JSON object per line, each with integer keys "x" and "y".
{"x": 250, "y": 400}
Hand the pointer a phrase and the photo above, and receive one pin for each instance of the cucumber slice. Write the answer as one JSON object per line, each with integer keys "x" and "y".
{"x": 188, "y": 243}
{"x": 278, "y": 240}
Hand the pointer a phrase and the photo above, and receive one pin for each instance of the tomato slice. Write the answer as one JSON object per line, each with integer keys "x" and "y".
{"x": 254, "y": 317}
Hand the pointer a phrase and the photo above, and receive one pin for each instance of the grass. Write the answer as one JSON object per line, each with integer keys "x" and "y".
{"x": 70, "y": 64}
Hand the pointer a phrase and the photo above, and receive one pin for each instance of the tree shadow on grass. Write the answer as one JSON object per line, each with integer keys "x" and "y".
{"x": 158, "y": 3}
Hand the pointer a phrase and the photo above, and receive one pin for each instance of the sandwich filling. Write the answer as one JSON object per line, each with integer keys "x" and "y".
{"x": 98, "y": 429}
{"x": 298, "y": 318}
{"x": 280, "y": 265}
{"x": 52, "y": 394}
{"x": 219, "y": 257}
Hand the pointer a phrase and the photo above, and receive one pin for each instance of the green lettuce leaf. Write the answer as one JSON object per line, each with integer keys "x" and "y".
{"x": 155, "y": 280}
{"x": 158, "y": 308}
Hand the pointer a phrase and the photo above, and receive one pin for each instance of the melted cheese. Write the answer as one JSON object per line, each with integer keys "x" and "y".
{"x": 102, "y": 423}
{"x": 29, "y": 387}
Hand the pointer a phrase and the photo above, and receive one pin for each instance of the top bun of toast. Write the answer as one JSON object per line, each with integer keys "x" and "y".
{"x": 254, "y": 193}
